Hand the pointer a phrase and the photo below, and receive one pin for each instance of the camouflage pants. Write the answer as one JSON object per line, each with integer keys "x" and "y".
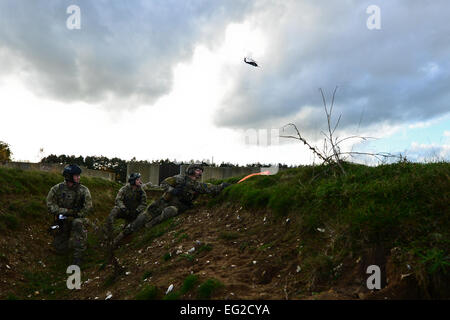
{"x": 155, "y": 213}
{"x": 117, "y": 213}
{"x": 73, "y": 235}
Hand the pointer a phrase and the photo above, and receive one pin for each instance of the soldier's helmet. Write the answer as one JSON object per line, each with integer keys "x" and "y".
{"x": 191, "y": 168}
{"x": 133, "y": 177}
{"x": 69, "y": 171}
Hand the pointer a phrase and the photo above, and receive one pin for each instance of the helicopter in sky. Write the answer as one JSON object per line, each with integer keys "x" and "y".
{"x": 250, "y": 61}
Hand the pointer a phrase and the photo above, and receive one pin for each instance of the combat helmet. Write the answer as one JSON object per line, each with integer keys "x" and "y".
{"x": 191, "y": 168}
{"x": 133, "y": 177}
{"x": 69, "y": 171}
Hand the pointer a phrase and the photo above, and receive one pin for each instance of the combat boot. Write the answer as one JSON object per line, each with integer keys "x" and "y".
{"x": 113, "y": 245}
{"x": 117, "y": 240}
{"x": 118, "y": 268}
{"x": 106, "y": 234}
{"x": 109, "y": 252}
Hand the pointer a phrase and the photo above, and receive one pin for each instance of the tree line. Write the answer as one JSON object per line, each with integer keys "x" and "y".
{"x": 5, "y": 152}
{"x": 116, "y": 165}
{"x": 119, "y": 166}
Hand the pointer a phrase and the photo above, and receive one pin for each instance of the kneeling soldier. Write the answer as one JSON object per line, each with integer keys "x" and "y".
{"x": 70, "y": 202}
{"x": 131, "y": 200}
{"x": 180, "y": 192}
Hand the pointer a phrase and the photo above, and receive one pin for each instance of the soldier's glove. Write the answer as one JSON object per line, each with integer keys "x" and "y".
{"x": 71, "y": 213}
{"x": 123, "y": 209}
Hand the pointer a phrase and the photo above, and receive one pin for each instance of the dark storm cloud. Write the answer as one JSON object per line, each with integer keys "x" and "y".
{"x": 124, "y": 49}
{"x": 399, "y": 73}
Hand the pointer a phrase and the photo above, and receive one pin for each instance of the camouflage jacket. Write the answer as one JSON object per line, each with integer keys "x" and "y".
{"x": 63, "y": 199}
{"x": 131, "y": 199}
{"x": 182, "y": 189}
{"x": 149, "y": 185}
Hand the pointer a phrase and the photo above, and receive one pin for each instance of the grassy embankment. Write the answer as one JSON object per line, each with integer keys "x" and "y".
{"x": 23, "y": 194}
{"x": 23, "y": 212}
{"x": 400, "y": 210}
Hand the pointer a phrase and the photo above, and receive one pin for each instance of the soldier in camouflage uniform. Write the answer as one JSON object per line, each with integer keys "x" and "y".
{"x": 180, "y": 192}
{"x": 70, "y": 202}
{"x": 149, "y": 186}
{"x": 131, "y": 201}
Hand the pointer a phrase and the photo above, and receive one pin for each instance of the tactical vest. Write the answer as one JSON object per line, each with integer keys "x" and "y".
{"x": 132, "y": 198}
{"x": 74, "y": 199}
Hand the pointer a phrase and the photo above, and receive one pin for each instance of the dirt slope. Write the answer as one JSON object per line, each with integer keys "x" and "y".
{"x": 254, "y": 255}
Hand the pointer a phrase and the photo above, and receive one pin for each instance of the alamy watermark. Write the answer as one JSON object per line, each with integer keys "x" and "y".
{"x": 374, "y": 20}
{"x": 74, "y": 280}
{"x": 263, "y": 138}
{"x": 374, "y": 281}
{"x": 74, "y": 20}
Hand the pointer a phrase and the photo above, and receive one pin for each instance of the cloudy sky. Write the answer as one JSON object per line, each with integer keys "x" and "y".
{"x": 166, "y": 79}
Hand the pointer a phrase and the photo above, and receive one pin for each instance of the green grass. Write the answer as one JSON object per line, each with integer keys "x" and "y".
{"x": 204, "y": 247}
{"x": 9, "y": 221}
{"x": 18, "y": 209}
{"x": 50, "y": 283}
{"x": 187, "y": 256}
{"x": 180, "y": 237}
{"x": 93, "y": 256}
{"x": 147, "y": 274}
{"x": 38, "y": 183}
{"x": 12, "y": 297}
{"x": 375, "y": 203}
{"x": 265, "y": 246}
{"x": 38, "y": 281}
{"x": 189, "y": 283}
{"x": 436, "y": 260}
{"x": 174, "y": 295}
{"x": 208, "y": 288}
{"x": 155, "y": 232}
{"x": 397, "y": 205}
{"x": 167, "y": 256}
{"x": 149, "y": 292}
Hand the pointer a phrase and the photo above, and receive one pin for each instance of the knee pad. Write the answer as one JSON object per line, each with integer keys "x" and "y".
{"x": 127, "y": 230}
{"x": 169, "y": 212}
{"x": 114, "y": 211}
{"x": 136, "y": 224}
{"x": 78, "y": 225}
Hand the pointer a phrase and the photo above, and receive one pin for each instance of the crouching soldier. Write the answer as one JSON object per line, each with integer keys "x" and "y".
{"x": 70, "y": 202}
{"x": 131, "y": 201}
{"x": 179, "y": 193}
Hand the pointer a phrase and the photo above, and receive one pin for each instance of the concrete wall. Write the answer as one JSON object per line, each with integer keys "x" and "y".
{"x": 154, "y": 174}
{"x": 58, "y": 168}
{"x": 183, "y": 168}
{"x": 149, "y": 172}
{"x": 222, "y": 172}
{"x": 227, "y": 172}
